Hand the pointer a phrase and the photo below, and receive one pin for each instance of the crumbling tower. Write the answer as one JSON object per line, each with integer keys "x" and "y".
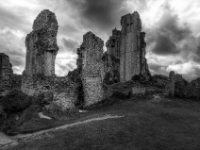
{"x": 132, "y": 48}
{"x": 90, "y": 63}
{"x": 41, "y": 45}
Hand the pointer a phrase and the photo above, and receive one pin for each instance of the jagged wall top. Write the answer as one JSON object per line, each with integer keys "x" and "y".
{"x": 46, "y": 19}
{"x": 131, "y": 22}
{"x": 90, "y": 40}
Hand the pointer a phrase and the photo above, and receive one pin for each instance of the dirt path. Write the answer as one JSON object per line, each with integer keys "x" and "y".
{"x": 6, "y": 141}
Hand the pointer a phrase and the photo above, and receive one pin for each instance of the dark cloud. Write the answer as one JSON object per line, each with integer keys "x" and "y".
{"x": 164, "y": 46}
{"x": 169, "y": 25}
{"x": 168, "y": 33}
{"x": 70, "y": 44}
{"x": 100, "y": 14}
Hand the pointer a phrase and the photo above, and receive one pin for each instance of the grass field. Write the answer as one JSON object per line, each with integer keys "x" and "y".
{"x": 146, "y": 125}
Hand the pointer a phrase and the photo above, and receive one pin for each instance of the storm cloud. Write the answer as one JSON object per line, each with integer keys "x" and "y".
{"x": 164, "y": 45}
{"x": 101, "y": 14}
{"x": 168, "y": 34}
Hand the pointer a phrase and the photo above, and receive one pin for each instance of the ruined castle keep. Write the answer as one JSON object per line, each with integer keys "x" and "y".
{"x": 132, "y": 48}
{"x": 41, "y": 45}
{"x": 124, "y": 58}
{"x": 91, "y": 66}
{"x": 6, "y": 72}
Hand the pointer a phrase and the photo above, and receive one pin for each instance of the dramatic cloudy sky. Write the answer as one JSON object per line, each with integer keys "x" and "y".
{"x": 172, "y": 27}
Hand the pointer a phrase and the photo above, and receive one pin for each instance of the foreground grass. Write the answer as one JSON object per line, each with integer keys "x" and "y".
{"x": 167, "y": 125}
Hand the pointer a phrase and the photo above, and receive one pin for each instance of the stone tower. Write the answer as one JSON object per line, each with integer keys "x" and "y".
{"x": 132, "y": 48}
{"x": 41, "y": 45}
{"x": 6, "y": 72}
{"x": 90, "y": 62}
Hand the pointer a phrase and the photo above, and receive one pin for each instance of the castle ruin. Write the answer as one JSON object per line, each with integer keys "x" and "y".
{"x": 91, "y": 66}
{"x": 177, "y": 86}
{"x": 132, "y": 48}
{"x": 41, "y": 45}
{"x": 124, "y": 58}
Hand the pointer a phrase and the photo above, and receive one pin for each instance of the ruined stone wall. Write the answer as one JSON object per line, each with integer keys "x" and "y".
{"x": 132, "y": 48}
{"x": 41, "y": 45}
{"x": 65, "y": 94}
{"x": 6, "y": 72}
{"x": 91, "y": 52}
{"x": 176, "y": 85}
{"x": 113, "y": 44}
{"x": 111, "y": 61}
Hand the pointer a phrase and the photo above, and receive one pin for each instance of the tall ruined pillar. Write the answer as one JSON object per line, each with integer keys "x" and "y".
{"x": 91, "y": 52}
{"x": 132, "y": 48}
{"x": 41, "y": 45}
{"x": 6, "y": 72}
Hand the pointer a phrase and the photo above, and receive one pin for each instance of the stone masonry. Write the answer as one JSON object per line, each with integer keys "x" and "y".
{"x": 90, "y": 62}
{"x": 110, "y": 58}
{"x": 132, "y": 48}
{"x": 6, "y": 72}
{"x": 41, "y": 45}
{"x": 113, "y": 44}
{"x": 175, "y": 85}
